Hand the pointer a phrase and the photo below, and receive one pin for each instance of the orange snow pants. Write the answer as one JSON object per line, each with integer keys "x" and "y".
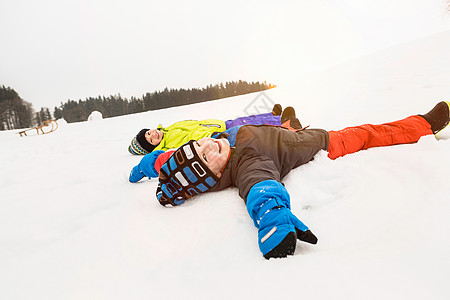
{"x": 353, "y": 139}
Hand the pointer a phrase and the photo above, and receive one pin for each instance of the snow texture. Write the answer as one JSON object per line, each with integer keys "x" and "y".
{"x": 73, "y": 227}
{"x": 61, "y": 122}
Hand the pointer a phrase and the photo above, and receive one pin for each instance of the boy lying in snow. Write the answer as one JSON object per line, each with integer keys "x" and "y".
{"x": 148, "y": 140}
{"x": 256, "y": 158}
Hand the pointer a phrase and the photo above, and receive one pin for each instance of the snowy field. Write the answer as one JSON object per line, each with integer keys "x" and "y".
{"x": 73, "y": 227}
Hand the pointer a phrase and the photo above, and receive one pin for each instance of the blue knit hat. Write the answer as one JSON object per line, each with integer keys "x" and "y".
{"x": 139, "y": 145}
{"x": 183, "y": 175}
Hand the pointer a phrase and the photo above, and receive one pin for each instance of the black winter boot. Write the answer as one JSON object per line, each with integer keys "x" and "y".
{"x": 438, "y": 117}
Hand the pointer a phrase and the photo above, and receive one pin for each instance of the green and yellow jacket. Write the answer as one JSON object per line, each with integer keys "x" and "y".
{"x": 182, "y": 132}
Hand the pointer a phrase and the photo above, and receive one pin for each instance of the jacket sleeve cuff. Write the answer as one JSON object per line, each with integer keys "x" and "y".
{"x": 147, "y": 164}
{"x": 264, "y": 196}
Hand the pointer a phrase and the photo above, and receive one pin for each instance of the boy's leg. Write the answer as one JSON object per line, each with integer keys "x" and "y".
{"x": 261, "y": 119}
{"x": 409, "y": 130}
{"x": 353, "y": 139}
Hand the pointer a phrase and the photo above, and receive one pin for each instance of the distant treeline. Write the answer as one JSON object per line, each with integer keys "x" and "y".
{"x": 112, "y": 106}
{"x": 17, "y": 113}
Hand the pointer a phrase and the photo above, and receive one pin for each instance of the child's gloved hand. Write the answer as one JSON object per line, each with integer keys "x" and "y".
{"x": 146, "y": 167}
{"x": 268, "y": 204}
{"x": 279, "y": 230}
{"x": 135, "y": 175}
{"x": 302, "y": 231}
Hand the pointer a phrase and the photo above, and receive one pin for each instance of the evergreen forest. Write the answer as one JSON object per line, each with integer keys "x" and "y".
{"x": 17, "y": 113}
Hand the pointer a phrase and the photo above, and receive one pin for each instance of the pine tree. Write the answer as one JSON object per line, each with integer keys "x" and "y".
{"x": 14, "y": 111}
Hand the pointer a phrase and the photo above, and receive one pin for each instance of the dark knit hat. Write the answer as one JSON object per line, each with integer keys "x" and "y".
{"x": 183, "y": 175}
{"x": 139, "y": 145}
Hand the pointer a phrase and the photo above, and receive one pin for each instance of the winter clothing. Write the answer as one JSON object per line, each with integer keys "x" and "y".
{"x": 268, "y": 204}
{"x": 146, "y": 167}
{"x": 136, "y": 148}
{"x": 139, "y": 145}
{"x": 181, "y": 132}
{"x": 288, "y": 113}
{"x": 438, "y": 116}
{"x": 277, "y": 109}
{"x": 150, "y": 165}
{"x": 140, "y": 137}
{"x": 261, "y": 119}
{"x": 353, "y": 139}
{"x": 263, "y": 152}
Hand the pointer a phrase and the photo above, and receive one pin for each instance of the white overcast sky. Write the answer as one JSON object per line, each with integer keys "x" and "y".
{"x": 55, "y": 50}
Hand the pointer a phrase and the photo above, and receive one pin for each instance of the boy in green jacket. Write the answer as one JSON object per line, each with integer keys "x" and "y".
{"x": 149, "y": 140}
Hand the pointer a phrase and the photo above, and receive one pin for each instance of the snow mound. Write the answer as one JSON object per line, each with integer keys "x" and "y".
{"x": 95, "y": 116}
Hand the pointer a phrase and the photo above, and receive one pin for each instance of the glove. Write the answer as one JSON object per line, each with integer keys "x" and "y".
{"x": 268, "y": 204}
{"x": 278, "y": 231}
{"x": 136, "y": 174}
{"x": 146, "y": 167}
{"x": 162, "y": 194}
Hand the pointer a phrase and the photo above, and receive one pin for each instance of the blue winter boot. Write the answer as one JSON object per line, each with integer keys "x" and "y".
{"x": 268, "y": 203}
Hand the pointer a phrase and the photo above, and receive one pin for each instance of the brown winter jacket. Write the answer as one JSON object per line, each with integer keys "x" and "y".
{"x": 264, "y": 152}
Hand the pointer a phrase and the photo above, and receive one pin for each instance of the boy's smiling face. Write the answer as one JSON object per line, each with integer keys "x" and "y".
{"x": 214, "y": 153}
{"x": 154, "y": 136}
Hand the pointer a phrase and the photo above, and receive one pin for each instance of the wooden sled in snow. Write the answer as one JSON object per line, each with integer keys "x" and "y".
{"x": 48, "y": 125}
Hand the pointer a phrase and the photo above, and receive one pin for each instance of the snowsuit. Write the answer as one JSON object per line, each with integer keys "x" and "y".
{"x": 261, "y": 119}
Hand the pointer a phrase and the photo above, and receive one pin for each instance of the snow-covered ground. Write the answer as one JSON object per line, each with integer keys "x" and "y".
{"x": 73, "y": 227}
